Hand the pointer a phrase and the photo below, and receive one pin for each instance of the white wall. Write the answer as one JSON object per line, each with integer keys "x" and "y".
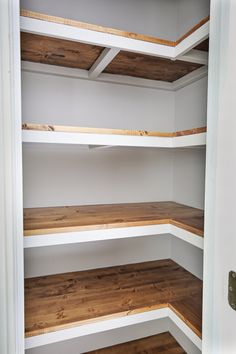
{"x": 189, "y": 164}
{"x": 152, "y": 17}
{"x": 60, "y": 100}
{"x": 190, "y": 12}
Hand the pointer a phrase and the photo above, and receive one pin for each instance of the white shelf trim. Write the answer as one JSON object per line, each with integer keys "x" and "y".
{"x": 108, "y": 40}
{"x": 33, "y": 136}
{"x": 115, "y": 79}
{"x": 106, "y": 325}
{"x": 112, "y": 234}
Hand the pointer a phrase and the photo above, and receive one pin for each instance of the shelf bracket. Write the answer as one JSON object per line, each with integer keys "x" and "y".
{"x": 195, "y": 56}
{"x": 102, "y": 61}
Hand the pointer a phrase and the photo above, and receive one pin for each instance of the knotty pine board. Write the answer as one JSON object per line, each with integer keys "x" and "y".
{"x": 149, "y": 67}
{"x": 68, "y": 300}
{"x": 109, "y": 131}
{"x": 48, "y": 50}
{"x": 162, "y": 343}
{"x": 40, "y": 221}
{"x": 117, "y": 32}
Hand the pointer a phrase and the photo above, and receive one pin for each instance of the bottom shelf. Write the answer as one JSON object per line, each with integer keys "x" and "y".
{"x": 64, "y": 302}
{"x": 161, "y": 343}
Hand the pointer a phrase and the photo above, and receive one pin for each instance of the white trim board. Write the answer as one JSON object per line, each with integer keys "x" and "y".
{"x": 108, "y": 40}
{"x": 112, "y": 234}
{"x": 50, "y": 137}
{"x": 106, "y": 325}
{"x": 116, "y": 79}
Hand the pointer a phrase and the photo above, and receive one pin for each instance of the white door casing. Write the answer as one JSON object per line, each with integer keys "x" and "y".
{"x": 219, "y": 319}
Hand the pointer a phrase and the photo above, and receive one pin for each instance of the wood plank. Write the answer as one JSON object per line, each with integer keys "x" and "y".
{"x": 149, "y": 67}
{"x": 67, "y": 300}
{"x": 162, "y": 343}
{"x": 117, "y": 32}
{"x": 50, "y": 220}
{"x": 54, "y": 51}
{"x": 204, "y": 46}
{"x": 89, "y": 130}
{"x": 96, "y": 28}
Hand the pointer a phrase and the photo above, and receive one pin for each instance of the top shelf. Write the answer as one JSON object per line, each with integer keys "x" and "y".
{"x": 96, "y": 49}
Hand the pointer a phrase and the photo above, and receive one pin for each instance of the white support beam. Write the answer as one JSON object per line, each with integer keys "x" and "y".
{"x": 102, "y": 61}
{"x": 192, "y": 40}
{"x": 195, "y": 56}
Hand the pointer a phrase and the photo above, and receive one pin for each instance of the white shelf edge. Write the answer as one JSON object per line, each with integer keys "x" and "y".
{"x": 185, "y": 329}
{"x": 108, "y": 40}
{"x": 112, "y": 234}
{"x": 50, "y": 137}
{"x": 106, "y": 325}
{"x": 55, "y": 70}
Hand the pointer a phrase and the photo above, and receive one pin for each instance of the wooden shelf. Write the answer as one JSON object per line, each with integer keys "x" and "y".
{"x": 65, "y": 301}
{"x": 161, "y": 343}
{"x": 43, "y": 133}
{"x": 76, "y": 224}
{"x": 64, "y": 42}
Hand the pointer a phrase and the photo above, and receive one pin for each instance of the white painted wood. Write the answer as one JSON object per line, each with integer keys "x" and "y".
{"x": 189, "y": 140}
{"x": 88, "y": 329}
{"x": 185, "y": 329}
{"x": 97, "y": 327}
{"x": 219, "y": 319}
{"x": 195, "y": 56}
{"x": 111, "y": 234}
{"x": 113, "y": 41}
{"x": 102, "y": 62}
{"x": 11, "y": 228}
{"x": 192, "y": 40}
{"x": 117, "y": 79}
{"x": 30, "y": 136}
{"x": 190, "y": 78}
{"x": 92, "y": 37}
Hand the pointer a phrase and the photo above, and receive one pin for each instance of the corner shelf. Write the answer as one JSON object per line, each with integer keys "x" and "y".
{"x": 65, "y": 306}
{"x": 161, "y": 343}
{"x": 76, "y": 224}
{"x": 96, "y": 49}
{"x": 54, "y": 134}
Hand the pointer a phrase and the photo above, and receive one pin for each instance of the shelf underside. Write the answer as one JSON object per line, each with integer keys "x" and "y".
{"x": 51, "y": 220}
{"x": 162, "y": 343}
{"x": 69, "y": 300}
{"x": 48, "y": 50}
{"x": 83, "y": 54}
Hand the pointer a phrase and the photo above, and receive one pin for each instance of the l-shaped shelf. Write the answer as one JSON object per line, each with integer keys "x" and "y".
{"x": 39, "y": 133}
{"x": 76, "y": 224}
{"x": 65, "y": 306}
{"x": 96, "y": 49}
{"x": 163, "y": 343}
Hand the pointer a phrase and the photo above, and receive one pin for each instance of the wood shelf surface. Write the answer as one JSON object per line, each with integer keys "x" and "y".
{"x": 51, "y": 220}
{"x": 48, "y": 49}
{"x": 163, "y": 343}
{"x": 110, "y": 131}
{"x": 69, "y": 300}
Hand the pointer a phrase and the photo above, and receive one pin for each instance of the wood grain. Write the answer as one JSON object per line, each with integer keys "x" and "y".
{"x": 40, "y": 221}
{"x": 109, "y": 131}
{"x": 54, "y": 51}
{"x": 96, "y": 28}
{"x": 162, "y": 343}
{"x": 149, "y": 67}
{"x": 67, "y": 300}
{"x": 117, "y": 32}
